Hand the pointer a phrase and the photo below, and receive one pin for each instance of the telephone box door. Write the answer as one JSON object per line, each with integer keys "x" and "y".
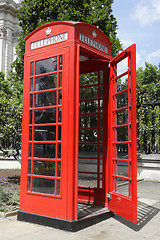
{"x": 122, "y": 136}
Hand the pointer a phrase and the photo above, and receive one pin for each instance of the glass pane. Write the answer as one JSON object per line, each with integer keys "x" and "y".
{"x": 60, "y": 79}
{"x": 30, "y": 133}
{"x": 122, "y": 168}
{"x": 101, "y": 91}
{"x": 123, "y": 186}
{"x": 59, "y": 150}
{"x": 122, "y": 151}
{"x": 45, "y": 99}
{"x": 46, "y": 168}
{"x": 31, "y": 100}
{"x": 101, "y": 135}
{"x": 88, "y": 93}
{"x": 29, "y": 184}
{"x": 122, "y": 100}
{"x": 87, "y": 180}
{"x": 122, "y": 117}
{"x": 87, "y": 165}
{"x": 32, "y": 68}
{"x": 29, "y": 167}
{"x": 30, "y": 117}
{"x": 45, "y": 116}
{"x": 59, "y": 132}
{"x": 46, "y": 133}
{"x": 31, "y": 85}
{"x": 88, "y": 107}
{"x": 60, "y": 114}
{"x": 46, "y": 82}
{"x": 88, "y": 135}
{"x": 42, "y": 185}
{"x": 88, "y": 150}
{"x": 122, "y": 83}
{"x": 58, "y": 169}
{"x": 60, "y": 97}
{"x": 101, "y": 76}
{"x": 89, "y": 121}
{"x": 30, "y": 149}
{"x": 122, "y": 66}
{"x": 60, "y": 62}
{"x": 88, "y": 79}
{"x": 101, "y": 120}
{"x": 46, "y": 65}
{"x": 122, "y": 134}
{"x": 101, "y": 150}
{"x": 58, "y": 187}
{"x": 44, "y": 150}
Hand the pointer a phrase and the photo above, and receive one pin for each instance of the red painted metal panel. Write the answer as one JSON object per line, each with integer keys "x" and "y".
{"x": 122, "y": 135}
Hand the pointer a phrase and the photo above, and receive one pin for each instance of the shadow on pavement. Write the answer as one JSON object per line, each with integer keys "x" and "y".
{"x": 145, "y": 213}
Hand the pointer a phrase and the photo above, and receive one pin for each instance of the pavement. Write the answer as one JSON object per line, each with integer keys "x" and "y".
{"x": 114, "y": 228}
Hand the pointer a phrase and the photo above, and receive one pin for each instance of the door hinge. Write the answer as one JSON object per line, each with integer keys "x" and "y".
{"x": 108, "y": 195}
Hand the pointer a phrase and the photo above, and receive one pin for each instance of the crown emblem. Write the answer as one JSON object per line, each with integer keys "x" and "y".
{"x": 48, "y": 31}
{"x": 94, "y": 34}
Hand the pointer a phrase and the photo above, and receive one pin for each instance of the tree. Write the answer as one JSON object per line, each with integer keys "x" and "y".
{"x": 34, "y": 13}
{"x": 10, "y": 118}
{"x": 148, "y": 103}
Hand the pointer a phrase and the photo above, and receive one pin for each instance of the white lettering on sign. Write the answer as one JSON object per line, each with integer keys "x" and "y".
{"x": 47, "y": 41}
{"x": 93, "y": 43}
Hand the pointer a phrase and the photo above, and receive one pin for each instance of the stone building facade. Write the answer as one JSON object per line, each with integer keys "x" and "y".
{"x": 9, "y": 32}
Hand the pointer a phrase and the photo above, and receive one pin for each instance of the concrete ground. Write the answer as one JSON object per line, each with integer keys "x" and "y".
{"x": 114, "y": 228}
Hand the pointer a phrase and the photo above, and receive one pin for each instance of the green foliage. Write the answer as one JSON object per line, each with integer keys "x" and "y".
{"x": 33, "y": 14}
{"x": 10, "y": 116}
{"x": 148, "y": 96}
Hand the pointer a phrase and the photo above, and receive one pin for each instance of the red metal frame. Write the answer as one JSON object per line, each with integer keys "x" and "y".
{"x": 124, "y": 204}
{"x": 79, "y": 38}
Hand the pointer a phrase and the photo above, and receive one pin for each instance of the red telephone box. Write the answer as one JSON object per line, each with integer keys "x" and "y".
{"x": 79, "y": 126}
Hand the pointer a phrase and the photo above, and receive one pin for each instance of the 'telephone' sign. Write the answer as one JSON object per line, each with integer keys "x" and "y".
{"x": 93, "y": 43}
{"x": 50, "y": 40}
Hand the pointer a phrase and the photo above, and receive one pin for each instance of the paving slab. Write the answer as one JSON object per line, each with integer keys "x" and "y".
{"x": 114, "y": 228}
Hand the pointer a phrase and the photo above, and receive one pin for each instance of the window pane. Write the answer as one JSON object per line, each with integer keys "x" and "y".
{"x": 31, "y": 85}
{"x": 88, "y": 79}
{"x": 30, "y": 149}
{"x": 42, "y": 185}
{"x": 45, "y": 99}
{"x": 60, "y": 114}
{"x": 29, "y": 184}
{"x": 122, "y": 168}
{"x": 123, "y": 186}
{"x": 46, "y": 65}
{"x": 59, "y": 132}
{"x": 122, "y": 134}
{"x": 58, "y": 187}
{"x": 122, "y": 151}
{"x": 87, "y": 165}
{"x": 88, "y": 107}
{"x": 88, "y": 150}
{"x": 45, "y": 115}
{"x": 122, "y": 66}
{"x": 30, "y": 117}
{"x": 47, "y": 133}
{"x": 60, "y": 97}
{"x": 122, "y": 117}
{"x": 29, "y": 167}
{"x": 59, "y": 150}
{"x": 87, "y": 180}
{"x": 46, "y": 82}
{"x": 58, "y": 169}
{"x": 31, "y": 100}
{"x": 30, "y": 133}
{"x": 88, "y": 93}
{"x": 46, "y": 168}
{"x": 44, "y": 150}
{"x": 88, "y": 121}
{"x": 32, "y": 68}
{"x": 88, "y": 135}
{"x": 122, "y": 100}
{"x": 122, "y": 83}
{"x": 60, "y": 79}
{"x": 60, "y": 62}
